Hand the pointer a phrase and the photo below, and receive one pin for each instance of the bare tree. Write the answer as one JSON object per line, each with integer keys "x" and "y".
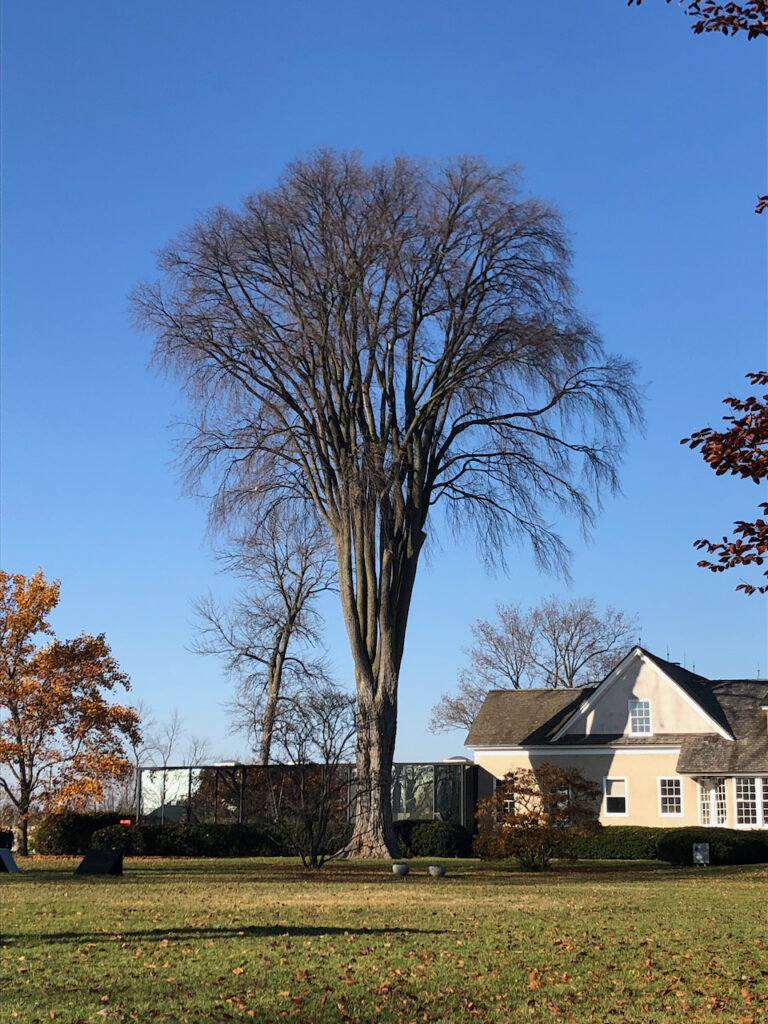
{"x": 576, "y": 643}
{"x": 197, "y": 751}
{"x": 501, "y": 657}
{"x": 268, "y": 636}
{"x": 557, "y": 644}
{"x": 162, "y": 745}
{"x": 373, "y": 340}
{"x": 314, "y": 738}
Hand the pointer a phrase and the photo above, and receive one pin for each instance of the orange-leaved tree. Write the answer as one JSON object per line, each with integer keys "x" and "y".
{"x": 741, "y": 450}
{"x": 60, "y": 737}
{"x": 537, "y": 814}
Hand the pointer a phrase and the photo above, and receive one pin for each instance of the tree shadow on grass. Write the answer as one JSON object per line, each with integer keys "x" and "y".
{"x": 213, "y": 932}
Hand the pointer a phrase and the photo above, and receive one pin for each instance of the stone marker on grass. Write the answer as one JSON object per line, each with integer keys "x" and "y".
{"x": 101, "y": 862}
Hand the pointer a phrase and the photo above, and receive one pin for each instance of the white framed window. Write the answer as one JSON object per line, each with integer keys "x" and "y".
{"x": 751, "y": 801}
{"x": 639, "y": 717}
{"x": 670, "y": 797}
{"x": 615, "y": 797}
{"x": 713, "y": 803}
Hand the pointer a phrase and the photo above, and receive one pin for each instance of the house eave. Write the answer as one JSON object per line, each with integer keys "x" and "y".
{"x": 576, "y": 748}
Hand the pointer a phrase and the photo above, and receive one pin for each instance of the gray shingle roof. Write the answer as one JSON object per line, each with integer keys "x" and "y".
{"x": 739, "y": 701}
{"x": 521, "y": 718}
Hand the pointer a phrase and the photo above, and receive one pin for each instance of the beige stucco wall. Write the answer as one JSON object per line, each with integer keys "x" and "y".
{"x": 671, "y": 710}
{"x": 641, "y": 770}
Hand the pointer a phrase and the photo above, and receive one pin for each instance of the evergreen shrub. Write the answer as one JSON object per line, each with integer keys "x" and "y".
{"x": 620, "y": 842}
{"x": 179, "y": 839}
{"x": 68, "y": 833}
{"x": 270, "y": 839}
{"x": 726, "y": 845}
{"x": 433, "y": 839}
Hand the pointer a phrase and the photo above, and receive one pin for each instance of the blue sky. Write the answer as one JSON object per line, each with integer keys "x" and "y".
{"x": 122, "y": 122}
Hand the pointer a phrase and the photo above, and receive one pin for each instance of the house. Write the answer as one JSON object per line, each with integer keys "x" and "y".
{"x": 666, "y": 745}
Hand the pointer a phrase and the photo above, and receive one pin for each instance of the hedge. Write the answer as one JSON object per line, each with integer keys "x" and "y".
{"x": 674, "y": 845}
{"x": 726, "y": 845}
{"x": 69, "y": 832}
{"x": 416, "y": 839}
{"x": 179, "y": 839}
{"x": 620, "y": 842}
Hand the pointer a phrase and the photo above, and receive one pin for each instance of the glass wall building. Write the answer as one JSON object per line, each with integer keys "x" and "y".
{"x": 239, "y": 793}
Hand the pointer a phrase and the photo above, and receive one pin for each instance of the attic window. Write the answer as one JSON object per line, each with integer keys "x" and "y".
{"x": 639, "y": 718}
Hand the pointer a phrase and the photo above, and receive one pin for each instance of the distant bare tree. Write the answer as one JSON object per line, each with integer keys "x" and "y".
{"x": 575, "y": 642}
{"x": 314, "y": 739}
{"x": 557, "y": 644}
{"x": 501, "y": 657}
{"x": 197, "y": 751}
{"x": 372, "y": 341}
{"x": 268, "y": 636}
{"x": 162, "y": 745}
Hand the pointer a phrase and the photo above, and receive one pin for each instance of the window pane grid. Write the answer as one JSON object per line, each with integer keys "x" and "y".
{"x": 671, "y": 796}
{"x": 721, "y": 813}
{"x": 640, "y": 717}
{"x": 746, "y": 802}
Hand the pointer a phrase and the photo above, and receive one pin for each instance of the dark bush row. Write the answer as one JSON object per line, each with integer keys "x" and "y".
{"x": 416, "y": 839}
{"x": 433, "y": 839}
{"x": 674, "y": 845}
{"x": 726, "y": 846}
{"x": 620, "y": 842}
{"x": 6, "y": 839}
{"x": 180, "y": 839}
{"x": 69, "y": 832}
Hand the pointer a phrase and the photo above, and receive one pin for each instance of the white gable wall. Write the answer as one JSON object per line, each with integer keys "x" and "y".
{"x": 672, "y": 711}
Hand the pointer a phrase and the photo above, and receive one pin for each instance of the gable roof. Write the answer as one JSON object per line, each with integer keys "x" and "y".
{"x": 696, "y": 686}
{"x": 520, "y": 717}
{"x": 691, "y": 686}
{"x": 741, "y": 701}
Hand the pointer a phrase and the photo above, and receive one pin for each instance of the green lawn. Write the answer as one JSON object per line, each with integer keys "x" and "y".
{"x": 193, "y": 940}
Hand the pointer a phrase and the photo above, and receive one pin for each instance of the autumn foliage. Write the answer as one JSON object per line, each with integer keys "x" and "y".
{"x": 537, "y": 814}
{"x": 60, "y": 738}
{"x": 741, "y": 450}
{"x": 729, "y": 18}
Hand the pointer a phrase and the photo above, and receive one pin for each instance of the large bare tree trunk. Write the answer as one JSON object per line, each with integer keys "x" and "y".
{"x": 374, "y": 834}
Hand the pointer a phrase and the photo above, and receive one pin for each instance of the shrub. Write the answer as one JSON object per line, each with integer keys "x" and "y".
{"x": 433, "y": 839}
{"x": 535, "y": 815}
{"x": 6, "y": 838}
{"x": 189, "y": 840}
{"x": 726, "y": 846}
{"x": 69, "y": 832}
{"x": 620, "y": 842}
{"x": 441, "y": 839}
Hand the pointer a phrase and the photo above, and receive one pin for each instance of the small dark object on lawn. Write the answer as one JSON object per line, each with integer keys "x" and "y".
{"x": 7, "y": 863}
{"x": 101, "y": 862}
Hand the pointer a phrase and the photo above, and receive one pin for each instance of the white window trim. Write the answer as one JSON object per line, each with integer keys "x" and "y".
{"x": 712, "y": 799}
{"x": 640, "y": 700}
{"x": 616, "y": 814}
{"x": 761, "y": 802}
{"x": 670, "y": 814}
